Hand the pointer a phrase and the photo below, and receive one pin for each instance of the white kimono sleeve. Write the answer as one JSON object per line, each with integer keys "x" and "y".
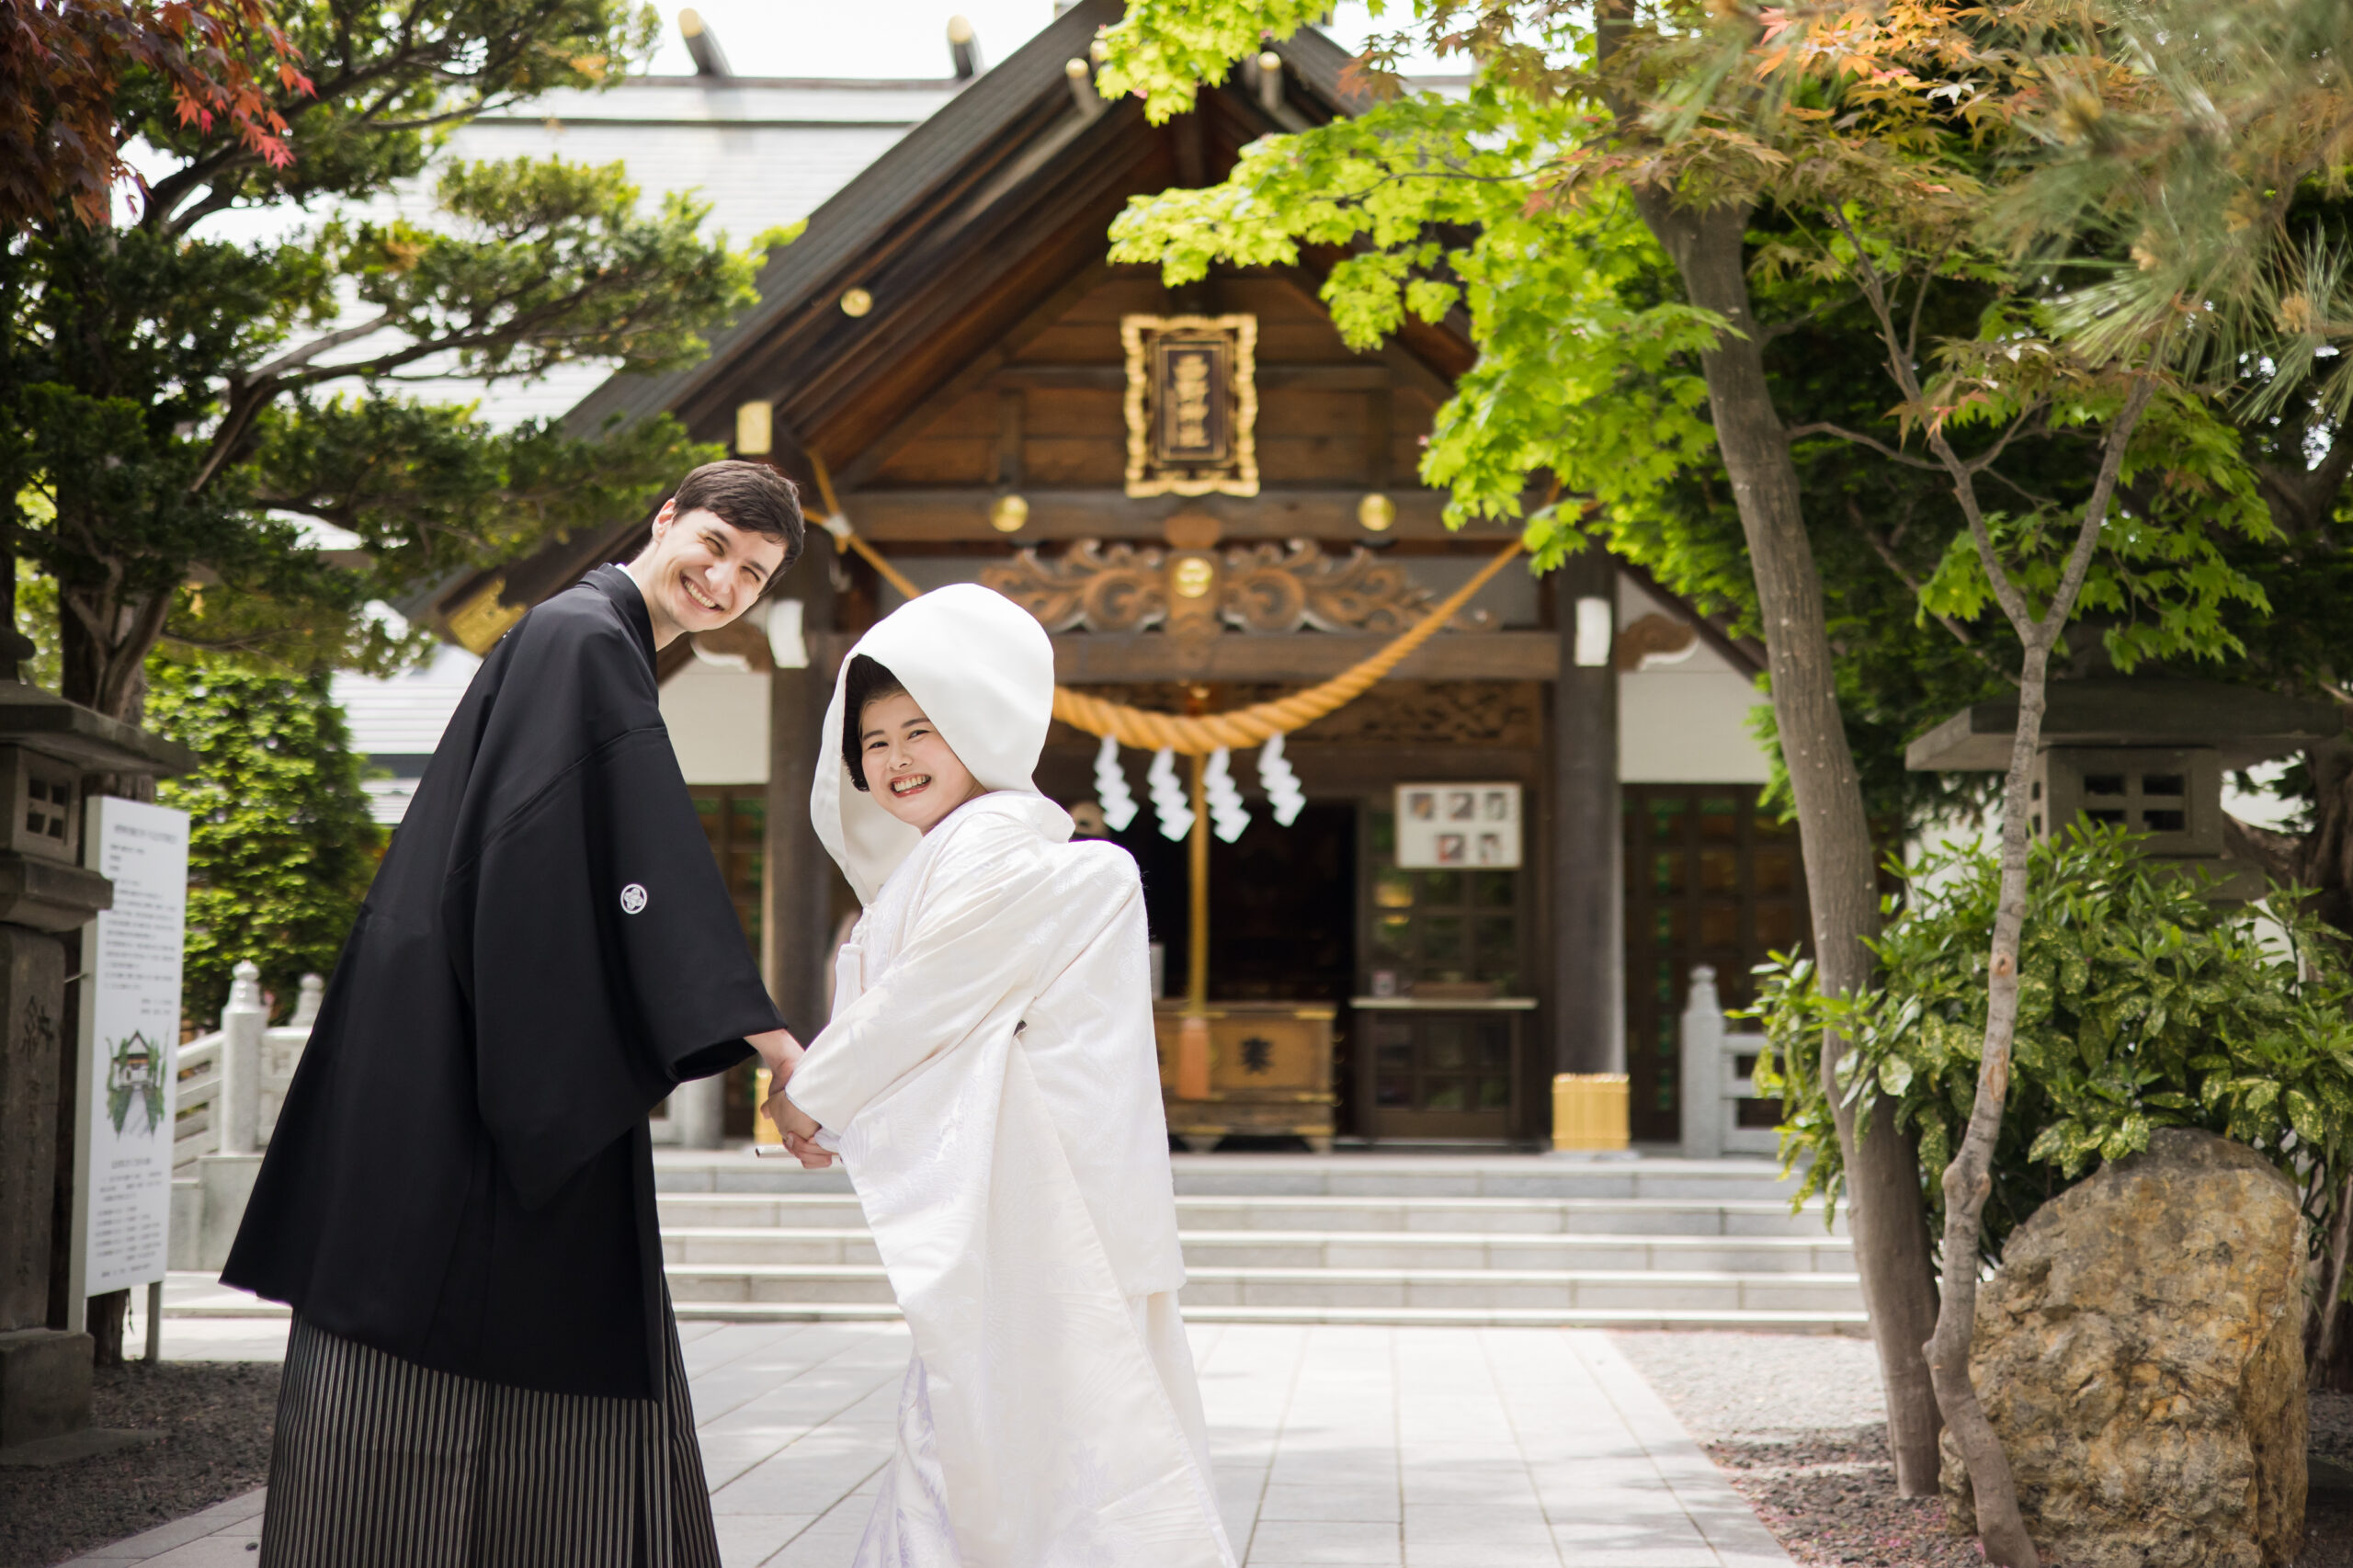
{"x": 988, "y": 928}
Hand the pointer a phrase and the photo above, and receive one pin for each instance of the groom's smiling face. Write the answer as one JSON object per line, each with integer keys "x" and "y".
{"x": 701, "y": 572}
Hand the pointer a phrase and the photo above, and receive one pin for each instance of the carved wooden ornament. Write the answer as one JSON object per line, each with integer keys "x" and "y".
{"x": 1193, "y": 404}
{"x": 1260, "y": 588}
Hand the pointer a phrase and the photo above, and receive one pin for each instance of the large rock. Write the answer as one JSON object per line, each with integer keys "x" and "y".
{"x": 2140, "y": 1351}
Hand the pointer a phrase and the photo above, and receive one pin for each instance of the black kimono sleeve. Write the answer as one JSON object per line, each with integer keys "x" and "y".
{"x": 604, "y": 959}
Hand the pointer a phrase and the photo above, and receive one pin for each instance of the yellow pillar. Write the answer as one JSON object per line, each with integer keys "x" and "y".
{"x": 1193, "y": 1033}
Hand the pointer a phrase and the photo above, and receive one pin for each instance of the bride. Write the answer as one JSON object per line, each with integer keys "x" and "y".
{"x": 990, "y": 1079}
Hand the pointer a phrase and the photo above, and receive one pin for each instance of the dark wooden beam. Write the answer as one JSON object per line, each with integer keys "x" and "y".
{"x": 1114, "y": 377}
{"x": 1081, "y": 656}
{"x": 1327, "y": 770}
{"x": 862, "y": 466}
{"x": 1188, "y": 147}
{"x": 939, "y": 515}
{"x": 1416, "y": 373}
{"x": 957, "y": 305}
{"x": 1011, "y": 415}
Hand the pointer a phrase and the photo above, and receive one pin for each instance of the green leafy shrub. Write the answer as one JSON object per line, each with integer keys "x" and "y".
{"x": 281, "y": 847}
{"x": 2142, "y": 1005}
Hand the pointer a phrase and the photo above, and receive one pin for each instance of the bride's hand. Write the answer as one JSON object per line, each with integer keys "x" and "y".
{"x": 799, "y": 1129}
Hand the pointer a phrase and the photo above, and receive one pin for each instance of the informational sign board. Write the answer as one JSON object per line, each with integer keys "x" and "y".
{"x": 130, "y": 1046}
{"x": 1450, "y": 826}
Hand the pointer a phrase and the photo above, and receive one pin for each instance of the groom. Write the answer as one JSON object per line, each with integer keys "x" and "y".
{"x": 458, "y": 1201}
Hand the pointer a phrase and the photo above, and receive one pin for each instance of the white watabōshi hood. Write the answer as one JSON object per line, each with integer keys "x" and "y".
{"x": 983, "y": 670}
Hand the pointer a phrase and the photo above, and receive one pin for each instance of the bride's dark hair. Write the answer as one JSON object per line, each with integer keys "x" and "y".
{"x": 869, "y": 681}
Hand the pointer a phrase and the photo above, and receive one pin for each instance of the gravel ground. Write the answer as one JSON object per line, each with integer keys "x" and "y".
{"x": 1797, "y": 1424}
{"x": 216, "y": 1415}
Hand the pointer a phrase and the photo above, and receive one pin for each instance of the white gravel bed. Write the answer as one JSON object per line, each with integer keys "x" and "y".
{"x": 1745, "y": 1386}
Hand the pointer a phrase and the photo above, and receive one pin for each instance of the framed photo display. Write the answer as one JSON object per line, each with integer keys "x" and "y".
{"x": 1452, "y": 827}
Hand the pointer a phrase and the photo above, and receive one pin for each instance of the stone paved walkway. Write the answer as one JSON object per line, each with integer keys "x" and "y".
{"x": 1408, "y": 1448}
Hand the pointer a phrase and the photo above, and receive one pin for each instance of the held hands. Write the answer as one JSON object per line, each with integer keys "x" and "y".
{"x": 800, "y": 1131}
{"x": 783, "y": 1053}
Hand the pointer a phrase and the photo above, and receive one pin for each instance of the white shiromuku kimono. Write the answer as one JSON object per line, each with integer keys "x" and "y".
{"x": 990, "y": 1079}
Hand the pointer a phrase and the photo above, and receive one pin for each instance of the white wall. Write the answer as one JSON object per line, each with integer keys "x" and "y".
{"x": 719, "y": 724}
{"x": 1684, "y": 723}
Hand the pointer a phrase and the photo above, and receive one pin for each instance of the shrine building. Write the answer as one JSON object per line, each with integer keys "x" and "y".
{"x": 1513, "y": 848}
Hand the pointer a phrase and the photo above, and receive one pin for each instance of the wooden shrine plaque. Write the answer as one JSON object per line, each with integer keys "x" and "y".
{"x": 1193, "y": 404}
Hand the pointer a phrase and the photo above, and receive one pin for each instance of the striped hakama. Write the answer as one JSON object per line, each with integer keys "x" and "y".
{"x": 379, "y": 1463}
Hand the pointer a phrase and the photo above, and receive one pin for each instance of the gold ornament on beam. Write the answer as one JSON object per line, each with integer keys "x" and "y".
{"x": 482, "y": 621}
{"x": 755, "y": 429}
{"x": 1007, "y": 513}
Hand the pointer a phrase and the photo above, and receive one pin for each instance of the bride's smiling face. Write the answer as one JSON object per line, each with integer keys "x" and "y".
{"x": 908, "y": 766}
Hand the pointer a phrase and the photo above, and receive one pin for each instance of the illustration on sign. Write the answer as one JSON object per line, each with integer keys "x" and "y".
{"x": 135, "y": 1076}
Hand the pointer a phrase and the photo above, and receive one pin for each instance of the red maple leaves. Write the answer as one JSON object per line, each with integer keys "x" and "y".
{"x": 63, "y": 61}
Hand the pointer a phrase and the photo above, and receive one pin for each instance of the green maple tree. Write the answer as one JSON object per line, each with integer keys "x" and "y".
{"x": 1625, "y": 211}
{"x": 281, "y": 847}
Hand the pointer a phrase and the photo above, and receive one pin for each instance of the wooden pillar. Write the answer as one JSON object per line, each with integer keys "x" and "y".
{"x": 1587, "y": 895}
{"x": 796, "y": 925}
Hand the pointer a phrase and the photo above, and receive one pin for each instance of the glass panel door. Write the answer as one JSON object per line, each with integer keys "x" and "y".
{"x": 1435, "y": 937}
{"x": 1710, "y": 879}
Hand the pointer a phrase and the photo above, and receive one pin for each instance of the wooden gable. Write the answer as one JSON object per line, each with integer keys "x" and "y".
{"x": 989, "y": 357}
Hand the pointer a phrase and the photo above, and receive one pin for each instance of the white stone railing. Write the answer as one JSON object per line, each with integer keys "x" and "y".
{"x": 233, "y": 1080}
{"x": 1713, "y": 1085}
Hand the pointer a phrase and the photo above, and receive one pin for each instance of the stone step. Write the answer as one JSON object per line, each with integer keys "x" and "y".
{"x": 1847, "y": 1322}
{"x": 1319, "y": 1176}
{"x": 1535, "y": 1216}
{"x": 718, "y": 1246}
{"x": 1343, "y": 1291}
{"x": 243, "y": 1307}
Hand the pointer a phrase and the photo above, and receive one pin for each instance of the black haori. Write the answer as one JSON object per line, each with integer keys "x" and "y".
{"x": 461, "y": 1174}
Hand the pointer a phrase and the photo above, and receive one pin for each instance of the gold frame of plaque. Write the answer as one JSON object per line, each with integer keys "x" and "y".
{"x": 1270, "y": 1071}
{"x": 1193, "y": 404}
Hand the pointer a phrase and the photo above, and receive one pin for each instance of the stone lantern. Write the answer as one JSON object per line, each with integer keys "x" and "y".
{"x": 2146, "y": 754}
{"x": 47, "y": 748}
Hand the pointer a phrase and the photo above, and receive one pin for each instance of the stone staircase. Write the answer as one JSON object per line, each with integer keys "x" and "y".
{"x": 1343, "y": 1238}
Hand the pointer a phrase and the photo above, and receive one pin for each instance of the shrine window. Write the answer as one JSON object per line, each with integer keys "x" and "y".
{"x": 1449, "y": 928}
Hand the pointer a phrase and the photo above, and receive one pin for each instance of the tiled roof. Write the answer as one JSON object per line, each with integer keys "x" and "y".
{"x": 762, "y": 152}
{"x": 396, "y": 723}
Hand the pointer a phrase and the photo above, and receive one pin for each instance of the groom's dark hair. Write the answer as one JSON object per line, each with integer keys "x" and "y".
{"x": 869, "y": 681}
{"x": 748, "y": 496}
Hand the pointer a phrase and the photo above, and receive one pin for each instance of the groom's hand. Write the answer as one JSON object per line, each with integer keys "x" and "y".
{"x": 779, "y": 1051}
